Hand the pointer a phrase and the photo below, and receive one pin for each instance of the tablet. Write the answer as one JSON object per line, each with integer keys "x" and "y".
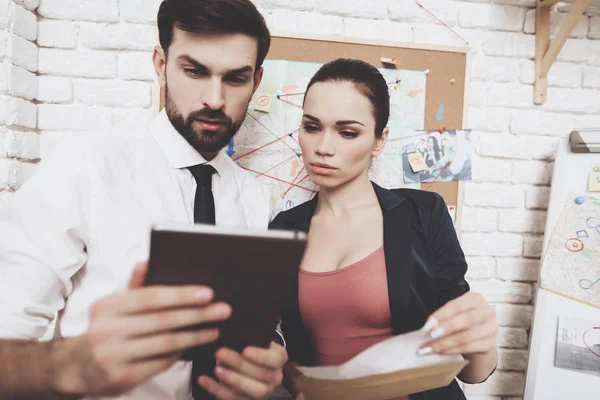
{"x": 253, "y": 271}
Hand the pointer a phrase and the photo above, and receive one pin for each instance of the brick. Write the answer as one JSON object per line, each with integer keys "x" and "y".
{"x": 117, "y": 36}
{"x": 495, "y": 69}
{"x": 16, "y": 111}
{"x": 504, "y": 146}
{"x": 141, "y": 11}
{"x": 439, "y": 35}
{"x": 134, "y": 119}
{"x": 537, "y": 197}
{"x": 510, "y": 95}
{"x": 556, "y": 19}
{"x": 532, "y": 172}
{"x": 74, "y": 117}
{"x": 54, "y": 89}
{"x": 539, "y": 122}
{"x": 23, "y": 22}
{"x": 594, "y": 32}
{"x": 591, "y": 77}
{"x": 308, "y": 5}
{"x": 136, "y": 65}
{"x": 499, "y": 291}
{"x": 477, "y": 93}
{"x": 513, "y": 338}
{"x": 573, "y": 100}
{"x": 492, "y": 119}
{"x": 522, "y": 221}
{"x": 492, "y": 17}
{"x": 22, "y": 53}
{"x": 23, "y": 145}
{"x": 494, "y": 195}
{"x": 61, "y": 34}
{"x": 86, "y": 64}
{"x": 20, "y": 82}
{"x": 49, "y": 140}
{"x": 500, "y": 383}
{"x": 480, "y": 267}
{"x": 479, "y": 219}
{"x": 376, "y": 29}
{"x": 573, "y": 50}
{"x": 78, "y": 10}
{"x": 304, "y": 22}
{"x": 533, "y": 246}
{"x": 5, "y": 6}
{"x": 542, "y": 147}
{"x": 589, "y": 121}
{"x": 28, "y": 4}
{"x": 517, "y": 269}
{"x": 112, "y": 93}
{"x": 14, "y": 173}
{"x": 561, "y": 74}
{"x": 492, "y": 244}
{"x": 356, "y": 8}
{"x": 491, "y": 170}
{"x": 513, "y": 315}
{"x": 409, "y": 11}
{"x": 508, "y": 44}
{"x": 592, "y": 55}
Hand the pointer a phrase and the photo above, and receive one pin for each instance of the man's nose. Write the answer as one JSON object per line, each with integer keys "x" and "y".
{"x": 213, "y": 97}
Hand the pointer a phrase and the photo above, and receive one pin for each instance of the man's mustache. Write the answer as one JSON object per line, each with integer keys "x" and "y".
{"x": 213, "y": 115}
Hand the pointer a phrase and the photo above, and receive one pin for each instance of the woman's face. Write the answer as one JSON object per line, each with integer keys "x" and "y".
{"x": 430, "y": 147}
{"x": 337, "y": 134}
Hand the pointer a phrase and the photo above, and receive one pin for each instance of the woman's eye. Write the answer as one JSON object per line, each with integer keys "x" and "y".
{"x": 310, "y": 128}
{"x": 348, "y": 134}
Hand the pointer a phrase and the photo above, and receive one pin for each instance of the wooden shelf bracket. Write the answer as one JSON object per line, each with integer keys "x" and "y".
{"x": 547, "y": 50}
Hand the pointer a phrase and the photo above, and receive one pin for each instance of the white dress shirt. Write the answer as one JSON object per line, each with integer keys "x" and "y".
{"x": 74, "y": 232}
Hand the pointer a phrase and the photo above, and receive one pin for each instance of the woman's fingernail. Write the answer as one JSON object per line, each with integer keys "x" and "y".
{"x": 203, "y": 294}
{"x": 437, "y": 333}
{"x": 220, "y": 371}
{"x": 424, "y": 351}
{"x": 431, "y": 322}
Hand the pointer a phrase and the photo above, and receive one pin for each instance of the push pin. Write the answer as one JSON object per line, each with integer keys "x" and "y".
{"x": 426, "y": 72}
{"x": 452, "y": 81}
{"x": 579, "y": 199}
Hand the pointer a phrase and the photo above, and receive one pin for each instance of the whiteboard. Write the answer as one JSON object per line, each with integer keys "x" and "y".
{"x": 544, "y": 381}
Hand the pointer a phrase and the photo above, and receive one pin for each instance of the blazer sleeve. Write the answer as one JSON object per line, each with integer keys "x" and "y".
{"x": 449, "y": 265}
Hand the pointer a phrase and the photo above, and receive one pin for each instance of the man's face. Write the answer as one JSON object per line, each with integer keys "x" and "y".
{"x": 448, "y": 141}
{"x": 208, "y": 81}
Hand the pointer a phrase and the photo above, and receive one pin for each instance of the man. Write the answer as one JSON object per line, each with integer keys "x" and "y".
{"x": 73, "y": 233}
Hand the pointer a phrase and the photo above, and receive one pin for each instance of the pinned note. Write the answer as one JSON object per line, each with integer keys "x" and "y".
{"x": 388, "y": 60}
{"x": 263, "y": 102}
{"x": 416, "y": 161}
{"x": 594, "y": 179}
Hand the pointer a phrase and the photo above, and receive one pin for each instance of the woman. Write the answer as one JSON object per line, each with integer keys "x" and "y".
{"x": 378, "y": 262}
{"x": 433, "y": 154}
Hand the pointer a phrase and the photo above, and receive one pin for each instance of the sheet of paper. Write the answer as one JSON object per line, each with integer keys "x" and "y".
{"x": 578, "y": 345}
{"x": 393, "y": 354}
{"x": 594, "y": 178}
{"x": 417, "y": 163}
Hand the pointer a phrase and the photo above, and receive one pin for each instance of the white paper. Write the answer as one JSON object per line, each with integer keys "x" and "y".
{"x": 391, "y": 355}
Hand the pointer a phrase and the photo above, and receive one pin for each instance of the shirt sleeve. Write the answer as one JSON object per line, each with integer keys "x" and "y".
{"x": 43, "y": 232}
{"x": 449, "y": 260}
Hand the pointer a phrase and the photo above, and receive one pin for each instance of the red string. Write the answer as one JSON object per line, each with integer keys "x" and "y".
{"x": 441, "y": 22}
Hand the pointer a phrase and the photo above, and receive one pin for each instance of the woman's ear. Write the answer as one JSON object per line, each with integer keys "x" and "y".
{"x": 380, "y": 142}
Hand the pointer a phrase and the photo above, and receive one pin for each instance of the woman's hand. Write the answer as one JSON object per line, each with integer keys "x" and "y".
{"x": 466, "y": 325}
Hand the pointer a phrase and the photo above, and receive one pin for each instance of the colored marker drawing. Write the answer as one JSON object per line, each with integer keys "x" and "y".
{"x": 267, "y": 143}
{"x": 571, "y": 265}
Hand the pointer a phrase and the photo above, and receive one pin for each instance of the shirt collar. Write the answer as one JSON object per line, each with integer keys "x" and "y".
{"x": 177, "y": 150}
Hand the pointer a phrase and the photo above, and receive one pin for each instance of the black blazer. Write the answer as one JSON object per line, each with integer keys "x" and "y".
{"x": 424, "y": 262}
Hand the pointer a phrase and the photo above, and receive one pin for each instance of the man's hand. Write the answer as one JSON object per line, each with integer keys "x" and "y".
{"x": 135, "y": 335}
{"x": 254, "y": 374}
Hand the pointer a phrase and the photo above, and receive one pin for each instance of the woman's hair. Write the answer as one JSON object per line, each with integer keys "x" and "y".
{"x": 367, "y": 79}
{"x": 436, "y": 147}
{"x": 213, "y": 17}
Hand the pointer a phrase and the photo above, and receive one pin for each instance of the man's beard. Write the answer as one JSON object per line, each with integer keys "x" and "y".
{"x": 204, "y": 141}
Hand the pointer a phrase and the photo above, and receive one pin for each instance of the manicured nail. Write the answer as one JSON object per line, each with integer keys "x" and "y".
{"x": 220, "y": 371}
{"x": 437, "y": 332}
{"x": 424, "y": 351}
{"x": 431, "y": 322}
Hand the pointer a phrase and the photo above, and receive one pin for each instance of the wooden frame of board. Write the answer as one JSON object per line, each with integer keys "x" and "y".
{"x": 446, "y": 79}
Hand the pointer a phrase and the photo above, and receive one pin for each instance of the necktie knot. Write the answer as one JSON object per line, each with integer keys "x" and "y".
{"x": 203, "y": 174}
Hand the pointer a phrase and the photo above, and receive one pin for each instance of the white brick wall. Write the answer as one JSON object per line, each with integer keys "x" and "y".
{"x": 75, "y": 67}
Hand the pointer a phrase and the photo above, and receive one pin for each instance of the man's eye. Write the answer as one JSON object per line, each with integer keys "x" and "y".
{"x": 193, "y": 72}
{"x": 238, "y": 80}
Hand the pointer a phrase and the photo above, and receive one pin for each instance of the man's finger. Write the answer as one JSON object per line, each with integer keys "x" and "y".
{"x": 235, "y": 361}
{"x": 274, "y": 357}
{"x": 153, "y": 298}
{"x": 219, "y": 390}
{"x": 243, "y": 384}
{"x": 139, "y": 275}
{"x": 167, "y": 344}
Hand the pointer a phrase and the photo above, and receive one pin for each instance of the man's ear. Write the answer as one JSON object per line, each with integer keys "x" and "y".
{"x": 258, "y": 75}
{"x": 380, "y": 142}
{"x": 159, "y": 59}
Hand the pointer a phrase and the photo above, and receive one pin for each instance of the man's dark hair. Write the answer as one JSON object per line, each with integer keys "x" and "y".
{"x": 367, "y": 79}
{"x": 213, "y": 17}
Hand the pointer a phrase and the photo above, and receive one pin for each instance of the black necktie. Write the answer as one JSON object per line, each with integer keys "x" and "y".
{"x": 204, "y": 212}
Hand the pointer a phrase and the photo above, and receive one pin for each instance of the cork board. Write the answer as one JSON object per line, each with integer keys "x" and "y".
{"x": 445, "y": 81}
